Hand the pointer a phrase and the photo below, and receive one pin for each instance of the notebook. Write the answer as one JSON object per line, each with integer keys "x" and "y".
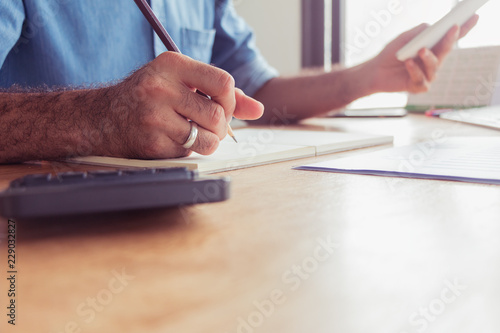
{"x": 467, "y": 78}
{"x": 467, "y": 159}
{"x": 487, "y": 116}
{"x": 255, "y": 147}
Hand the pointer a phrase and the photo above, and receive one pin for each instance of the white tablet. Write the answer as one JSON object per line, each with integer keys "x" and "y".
{"x": 433, "y": 34}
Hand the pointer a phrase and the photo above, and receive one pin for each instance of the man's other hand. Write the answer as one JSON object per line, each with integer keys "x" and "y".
{"x": 388, "y": 74}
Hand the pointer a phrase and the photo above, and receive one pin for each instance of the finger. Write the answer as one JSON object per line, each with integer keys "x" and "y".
{"x": 206, "y": 142}
{"x": 179, "y": 130}
{"x": 430, "y": 63}
{"x": 417, "y": 77}
{"x": 157, "y": 145}
{"x": 444, "y": 47}
{"x": 247, "y": 108}
{"x": 205, "y": 112}
{"x": 213, "y": 81}
{"x": 467, "y": 26}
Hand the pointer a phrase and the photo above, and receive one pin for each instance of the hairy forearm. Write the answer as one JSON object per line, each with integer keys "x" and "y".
{"x": 48, "y": 125}
{"x": 311, "y": 95}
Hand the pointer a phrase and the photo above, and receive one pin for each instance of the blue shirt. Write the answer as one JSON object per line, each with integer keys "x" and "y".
{"x": 87, "y": 42}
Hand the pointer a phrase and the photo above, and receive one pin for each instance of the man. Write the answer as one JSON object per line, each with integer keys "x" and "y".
{"x": 65, "y": 71}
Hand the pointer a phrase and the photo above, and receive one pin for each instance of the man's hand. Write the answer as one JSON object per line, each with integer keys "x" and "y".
{"x": 156, "y": 102}
{"x": 413, "y": 75}
{"x": 145, "y": 116}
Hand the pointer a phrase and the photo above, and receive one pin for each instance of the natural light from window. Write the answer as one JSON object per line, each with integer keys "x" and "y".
{"x": 371, "y": 24}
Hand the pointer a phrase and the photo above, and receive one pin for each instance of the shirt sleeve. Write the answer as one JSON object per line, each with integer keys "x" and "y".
{"x": 235, "y": 50}
{"x": 11, "y": 24}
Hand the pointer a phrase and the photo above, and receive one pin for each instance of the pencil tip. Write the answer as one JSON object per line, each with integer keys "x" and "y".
{"x": 234, "y": 138}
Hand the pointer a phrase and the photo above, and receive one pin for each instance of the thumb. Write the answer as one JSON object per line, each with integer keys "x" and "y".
{"x": 247, "y": 108}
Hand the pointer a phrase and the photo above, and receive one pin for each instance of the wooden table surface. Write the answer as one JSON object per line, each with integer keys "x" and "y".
{"x": 291, "y": 251}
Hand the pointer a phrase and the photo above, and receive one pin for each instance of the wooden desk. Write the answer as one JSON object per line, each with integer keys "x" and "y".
{"x": 292, "y": 251}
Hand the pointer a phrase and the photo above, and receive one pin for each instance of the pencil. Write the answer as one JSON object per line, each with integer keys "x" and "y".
{"x": 167, "y": 41}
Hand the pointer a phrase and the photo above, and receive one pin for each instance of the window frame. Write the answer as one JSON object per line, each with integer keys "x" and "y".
{"x": 313, "y": 32}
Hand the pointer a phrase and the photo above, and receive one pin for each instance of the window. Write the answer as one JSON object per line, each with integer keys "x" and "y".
{"x": 486, "y": 31}
{"x": 363, "y": 27}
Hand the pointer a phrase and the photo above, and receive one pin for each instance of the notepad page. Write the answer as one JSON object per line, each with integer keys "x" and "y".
{"x": 255, "y": 147}
{"x": 245, "y": 153}
{"x": 323, "y": 141}
{"x": 473, "y": 159}
{"x": 229, "y": 156}
{"x": 467, "y": 78}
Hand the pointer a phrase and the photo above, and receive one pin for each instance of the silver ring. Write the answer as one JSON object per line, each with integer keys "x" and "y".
{"x": 192, "y": 136}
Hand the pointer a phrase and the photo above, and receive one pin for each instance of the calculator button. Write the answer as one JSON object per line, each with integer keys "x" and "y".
{"x": 170, "y": 170}
{"x": 33, "y": 180}
{"x": 65, "y": 178}
{"x": 139, "y": 172}
{"x": 71, "y": 175}
{"x": 175, "y": 173}
{"x": 104, "y": 173}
